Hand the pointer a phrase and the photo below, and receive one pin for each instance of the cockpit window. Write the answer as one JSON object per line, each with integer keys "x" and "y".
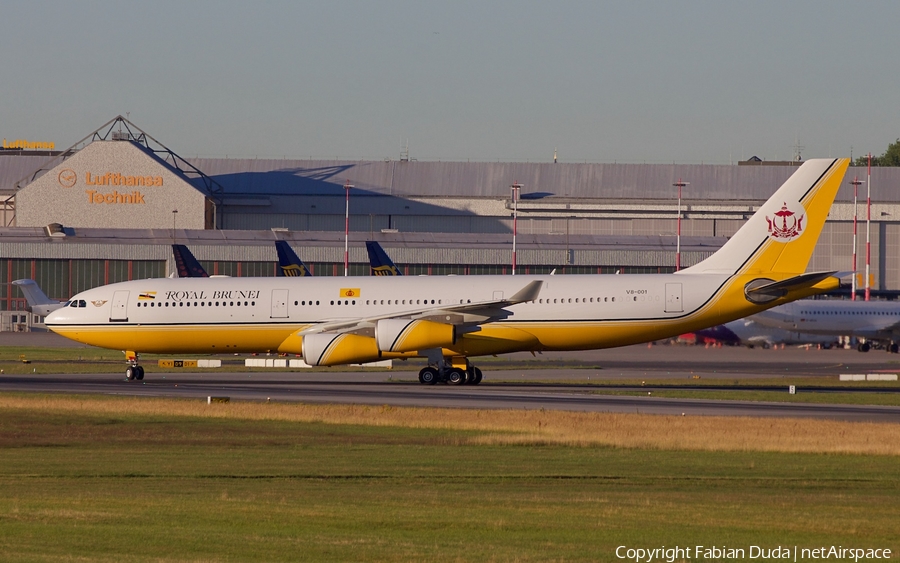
{"x": 82, "y": 303}
{"x": 67, "y": 304}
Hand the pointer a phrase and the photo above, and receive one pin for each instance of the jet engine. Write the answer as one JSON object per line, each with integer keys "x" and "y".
{"x": 329, "y": 349}
{"x": 404, "y": 335}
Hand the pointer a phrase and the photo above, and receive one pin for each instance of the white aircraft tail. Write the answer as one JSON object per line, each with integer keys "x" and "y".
{"x": 781, "y": 236}
{"x": 38, "y": 301}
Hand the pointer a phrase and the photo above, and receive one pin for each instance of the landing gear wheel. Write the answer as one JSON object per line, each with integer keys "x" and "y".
{"x": 130, "y": 373}
{"x": 894, "y": 348}
{"x": 477, "y": 376}
{"x": 139, "y": 375}
{"x": 428, "y": 376}
{"x": 864, "y": 347}
{"x": 456, "y": 376}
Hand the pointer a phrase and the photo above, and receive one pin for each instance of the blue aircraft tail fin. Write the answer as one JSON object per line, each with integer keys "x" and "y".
{"x": 289, "y": 264}
{"x": 185, "y": 264}
{"x": 381, "y": 264}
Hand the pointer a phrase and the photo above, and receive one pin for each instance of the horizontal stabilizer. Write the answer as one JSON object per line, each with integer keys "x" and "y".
{"x": 777, "y": 289}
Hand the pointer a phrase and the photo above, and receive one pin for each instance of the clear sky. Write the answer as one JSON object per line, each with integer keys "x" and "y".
{"x": 632, "y": 81}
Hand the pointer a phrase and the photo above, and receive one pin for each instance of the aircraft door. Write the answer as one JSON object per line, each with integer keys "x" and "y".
{"x": 119, "y": 312}
{"x": 673, "y": 298}
{"x": 279, "y": 303}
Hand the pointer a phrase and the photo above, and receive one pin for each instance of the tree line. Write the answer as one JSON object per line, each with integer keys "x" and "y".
{"x": 891, "y": 157}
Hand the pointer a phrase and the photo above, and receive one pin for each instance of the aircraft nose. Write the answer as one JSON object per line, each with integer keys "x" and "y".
{"x": 54, "y": 316}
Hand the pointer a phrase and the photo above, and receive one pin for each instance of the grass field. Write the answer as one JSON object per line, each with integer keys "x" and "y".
{"x": 112, "y": 479}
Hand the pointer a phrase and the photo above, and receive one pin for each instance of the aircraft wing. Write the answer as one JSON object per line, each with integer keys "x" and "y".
{"x": 456, "y": 314}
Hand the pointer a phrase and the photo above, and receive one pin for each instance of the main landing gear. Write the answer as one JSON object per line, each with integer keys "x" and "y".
{"x": 133, "y": 371}
{"x": 446, "y": 373}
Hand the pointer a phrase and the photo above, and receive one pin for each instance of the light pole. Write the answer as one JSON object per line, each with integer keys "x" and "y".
{"x": 174, "y": 214}
{"x": 515, "y": 187}
{"x": 856, "y": 182}
{"x": 680, "y": 185}
{"x": 347, "y": 186}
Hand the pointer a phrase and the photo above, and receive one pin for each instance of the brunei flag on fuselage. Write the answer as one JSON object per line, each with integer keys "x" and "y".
{"x": 147, "y": 296}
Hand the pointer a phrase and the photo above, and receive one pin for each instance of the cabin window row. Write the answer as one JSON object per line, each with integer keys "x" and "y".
{"x": 846, "y": 313}
{"x": 579, "y": 300}
{"x": 199, "y": 304}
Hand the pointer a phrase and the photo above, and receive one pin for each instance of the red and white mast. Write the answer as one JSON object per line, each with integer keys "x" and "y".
{"x": 856, "y": 182}
{"x": 868, "y": 222}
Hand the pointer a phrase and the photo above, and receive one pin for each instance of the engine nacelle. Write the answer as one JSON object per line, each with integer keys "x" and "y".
{"x": 404, "y": 335}
{"x": 329, "y": 349}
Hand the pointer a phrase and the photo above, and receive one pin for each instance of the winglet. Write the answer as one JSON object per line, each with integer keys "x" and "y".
{"x": 528, "y": 293}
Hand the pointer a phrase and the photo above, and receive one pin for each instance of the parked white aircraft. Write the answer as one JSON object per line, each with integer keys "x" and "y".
{"x": 38, "y": 301}
{"x": 448, "y": 319}
{"x": 748, "y": 332}
{"x": 872, "y": 320}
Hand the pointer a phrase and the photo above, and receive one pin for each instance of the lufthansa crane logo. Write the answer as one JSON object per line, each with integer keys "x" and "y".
{"x": 786, "y": 225}
{"x": 67, "y": 177}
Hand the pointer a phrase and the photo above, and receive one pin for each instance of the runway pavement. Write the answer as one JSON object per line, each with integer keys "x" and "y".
{"x": 518, "y": 381}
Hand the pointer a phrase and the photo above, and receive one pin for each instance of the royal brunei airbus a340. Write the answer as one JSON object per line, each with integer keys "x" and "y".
{"x": 449, "y": 319}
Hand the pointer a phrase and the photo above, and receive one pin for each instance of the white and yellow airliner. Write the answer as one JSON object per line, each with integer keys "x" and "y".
{"x": 448, "y": 319}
